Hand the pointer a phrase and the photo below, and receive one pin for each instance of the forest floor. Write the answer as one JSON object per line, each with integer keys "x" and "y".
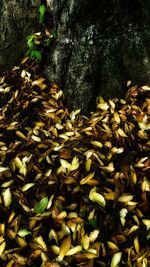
{"x": 74, "y": 191}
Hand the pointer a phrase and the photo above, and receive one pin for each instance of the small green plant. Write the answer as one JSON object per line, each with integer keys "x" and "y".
{"x": 38, "y": 41}
{"x": 35, "y": 54}
{"x": 30, "y": 41}
{"x": 33, "y": 51}
{"x": 42, "y": 11}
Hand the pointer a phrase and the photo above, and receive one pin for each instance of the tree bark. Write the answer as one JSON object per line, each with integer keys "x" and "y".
{"x": 100, "y": 45}
{"x": 18, "y": 19}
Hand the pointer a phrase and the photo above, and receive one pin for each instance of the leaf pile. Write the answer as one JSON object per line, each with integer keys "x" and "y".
{"x": 74, "y": 191}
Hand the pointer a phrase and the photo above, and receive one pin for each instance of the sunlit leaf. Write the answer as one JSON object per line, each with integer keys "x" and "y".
{"x": 116, "y": 259}
{"x": 41, "y": 206}
{"x": 42, "y": 10}
{"x": 23, "y": 232}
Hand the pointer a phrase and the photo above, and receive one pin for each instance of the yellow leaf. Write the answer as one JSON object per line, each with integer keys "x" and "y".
{"x": 21, "y": 135}
{"x": 96, "y": 197}
{"x": 116, "y": 117}
{"x": 7, "y": 197}
{"x": 65, "y": 164}
{"x": 125, "y": 198}
{"x": 116, "y": 259}
{"x": 136, "y": 245}
{"x": 74, "y": 250}
{"x": 38, "y": 82}
{"x": 27, "y": 187}
{"x": 110, "y": 167}
{"x": 64, "y": 247}
{"x": 103, "y": 106}
{"x": 96, "y": 143}
{"x": 39, "y": 240}
{"x": 2, "y": 247}
{"x": 87, "y": 178}
{"x": 36, "y": 138}
{"x": 146, "y": 88}
{"x": 147, "y": 223}
{"x": 74, "y": 164}
{"x": 123, "y": 212}
{"x": 85, "y": 242}
{"x": 121, "y": 133}
{"x": 94, "y": 235}
{"x": 88, "y": 165}
{"x": 112, "y": 246}
{"x": 18, "y": 162}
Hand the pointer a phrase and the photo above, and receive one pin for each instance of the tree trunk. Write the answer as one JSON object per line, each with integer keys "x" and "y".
{"x": 100, "y": 45}
{"x": 18, "y": 19}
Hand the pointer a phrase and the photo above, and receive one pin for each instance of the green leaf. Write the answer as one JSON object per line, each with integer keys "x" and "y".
{"x": 30, "y": 41}
{"x": 93, "y": 222}
{"x": 40, "y": 207}
{"x": 42, "y": 10}
{"x": 36, "y": 54}
{"x": 47, "y": 42}
{"x": 23, "y": 232}
{"x": 54, "y": 34}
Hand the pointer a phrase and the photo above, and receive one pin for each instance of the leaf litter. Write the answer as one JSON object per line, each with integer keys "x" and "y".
{"x": 74, "y": 191}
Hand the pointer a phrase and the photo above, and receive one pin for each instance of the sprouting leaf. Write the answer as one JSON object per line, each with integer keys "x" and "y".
{"x": 36, "y": 54}
{"x": 42, "y": 10}
{"x": 23, "y": 232}
{"x": 41, "y": 206}
{"x": 30, "y": 42}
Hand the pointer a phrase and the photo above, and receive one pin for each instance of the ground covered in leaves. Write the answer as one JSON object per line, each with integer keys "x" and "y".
{"x": 74, "y": 191}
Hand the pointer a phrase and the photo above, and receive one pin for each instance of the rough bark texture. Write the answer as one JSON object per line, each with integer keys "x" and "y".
{"x": 100, "y": 45}
{"x": 18, "y": 19}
